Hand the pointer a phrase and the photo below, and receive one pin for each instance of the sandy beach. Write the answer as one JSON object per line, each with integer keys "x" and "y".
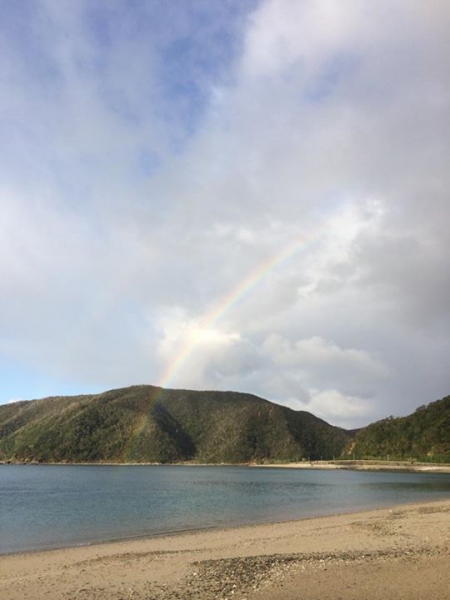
{"x": 363, "y": 465}
{"x": 400, "y": 552}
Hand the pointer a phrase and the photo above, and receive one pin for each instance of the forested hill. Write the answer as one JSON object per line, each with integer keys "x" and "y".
{"x": 423, "y": 435}
{"x": 148, "y": 424}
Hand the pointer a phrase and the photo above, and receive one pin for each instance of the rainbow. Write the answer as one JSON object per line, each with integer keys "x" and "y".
{"x": 230, "y": 300}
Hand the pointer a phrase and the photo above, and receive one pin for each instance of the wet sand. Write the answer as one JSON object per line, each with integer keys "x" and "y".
{"x": 402, "y": 553}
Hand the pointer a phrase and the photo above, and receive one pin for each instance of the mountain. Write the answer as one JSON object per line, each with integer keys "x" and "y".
{"x": 149, "y": 424}
{"x": 423, "y": 435}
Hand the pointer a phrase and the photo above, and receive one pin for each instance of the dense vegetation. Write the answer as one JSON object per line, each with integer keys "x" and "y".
{"x": 148, "y": 424}
{"x": 423, "y": 436}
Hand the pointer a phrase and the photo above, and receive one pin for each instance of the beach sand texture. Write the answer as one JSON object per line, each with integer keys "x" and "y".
{"x": 401, "y": 553}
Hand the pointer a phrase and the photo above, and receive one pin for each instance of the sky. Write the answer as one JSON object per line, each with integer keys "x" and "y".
{"x": 247, "y": 195}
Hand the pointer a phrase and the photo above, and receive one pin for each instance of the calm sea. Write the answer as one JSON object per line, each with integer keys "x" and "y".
{"x": 56, "y": 506}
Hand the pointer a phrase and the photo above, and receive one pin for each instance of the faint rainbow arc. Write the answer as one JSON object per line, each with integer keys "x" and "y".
{"x": 245, "y": 286}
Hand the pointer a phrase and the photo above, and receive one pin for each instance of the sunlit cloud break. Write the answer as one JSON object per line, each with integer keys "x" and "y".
{"x": 232, "y": 299}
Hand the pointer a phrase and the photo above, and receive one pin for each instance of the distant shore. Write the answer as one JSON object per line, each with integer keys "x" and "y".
{"x": 355, "y": 465}
{"x": 367, "y": 465}
{"x": 376, "y": 555}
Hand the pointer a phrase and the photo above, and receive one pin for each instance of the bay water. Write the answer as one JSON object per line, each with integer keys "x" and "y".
{"x": 51, "y": 506}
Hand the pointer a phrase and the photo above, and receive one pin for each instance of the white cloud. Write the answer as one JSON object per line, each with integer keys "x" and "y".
{"x": 319, "y": 375}
{"x": 190, "y": 349}
{"x": 317, "y": 353}
{"x": 338, "y": 408}
{"x": 300, "y": 34}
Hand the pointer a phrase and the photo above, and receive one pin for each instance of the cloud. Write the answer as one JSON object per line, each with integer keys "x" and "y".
{"x": 317, "y": 375}
{"x": 338, "y": 408}
{"x": 194, "y": 351}
{"x": 158, "y": 159}
{"x": 321, "y": 361}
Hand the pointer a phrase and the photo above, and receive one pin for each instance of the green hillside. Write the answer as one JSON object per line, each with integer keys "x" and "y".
{"x": 424, "y": 436}
{"x": 148, "y": 424}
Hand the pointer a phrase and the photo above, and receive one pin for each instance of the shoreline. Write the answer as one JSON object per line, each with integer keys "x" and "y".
{"x": 367, "y": 465}
{"x": 349, "y": 465}
{"x": 254, "y": 562}
{"x": 218, "y": 529}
